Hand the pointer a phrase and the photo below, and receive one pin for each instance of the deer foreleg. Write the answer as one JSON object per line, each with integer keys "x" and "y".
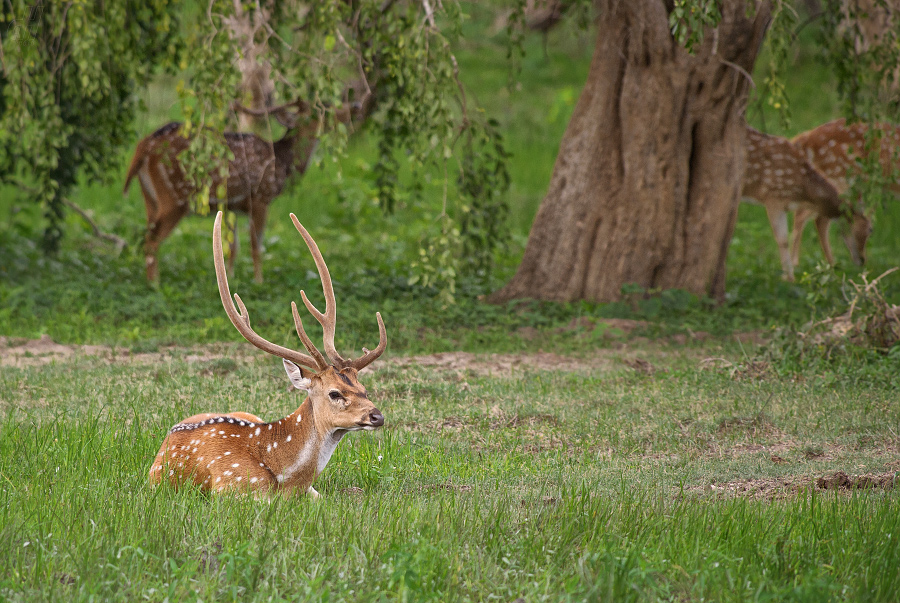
{"x": 778, "y": 220}
{"x": 801, "y": 217}
{"x": 258, "y": 214}
{"x": 157, "y": 231}
{"x": 822, "y": 224}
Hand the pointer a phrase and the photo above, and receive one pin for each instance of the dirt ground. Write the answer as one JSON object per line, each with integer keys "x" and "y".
{"x": 22, "y": 353}
{"x": 790, "y": 486}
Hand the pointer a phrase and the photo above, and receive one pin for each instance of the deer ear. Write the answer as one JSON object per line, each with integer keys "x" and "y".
{"x": 299, "y": 377}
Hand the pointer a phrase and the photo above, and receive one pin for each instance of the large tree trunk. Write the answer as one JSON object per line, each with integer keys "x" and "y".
{"x": 646, "y": 185}
{"x": 248, "y": 28}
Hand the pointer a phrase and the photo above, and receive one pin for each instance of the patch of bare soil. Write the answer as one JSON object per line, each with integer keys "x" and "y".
{"x": 38, "y": 352}
{"x": 445, "y": 487}
{"x": 755, "y": 337}
{"x": 774, "y": 449}
{"x": 498, "y": 364}
{"x": 841, "y": 481}
{"x": 755, "y": 425}
{"x": 752, "y": 370}
{"x": 786, "y": 487}
{"x": 641, "y": 366}
{"x": 584, "y": 323}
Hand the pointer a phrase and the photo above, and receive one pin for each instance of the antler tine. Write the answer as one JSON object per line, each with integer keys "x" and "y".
{"x": 328, "y": 319}
{"x": 369, "y": 356}
{"x": 241, "y": 319}
{"x": 307, "y": 342}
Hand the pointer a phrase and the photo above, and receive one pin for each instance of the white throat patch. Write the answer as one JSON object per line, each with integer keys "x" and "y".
{"x": 327, "y": 449}
{"x": 303, "y": 459}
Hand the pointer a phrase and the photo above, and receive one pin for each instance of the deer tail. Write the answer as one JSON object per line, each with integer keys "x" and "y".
{"x": 137, "y": 162}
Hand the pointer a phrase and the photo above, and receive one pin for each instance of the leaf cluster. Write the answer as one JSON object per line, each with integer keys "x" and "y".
{"x": 861, "y": 43}
{"x": 68, "y": 79}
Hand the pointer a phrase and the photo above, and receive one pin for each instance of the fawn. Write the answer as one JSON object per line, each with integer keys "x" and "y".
{"x": 834, "y": 148}
{"x": 256, "y": 175}
{"x": 778, "y": 176}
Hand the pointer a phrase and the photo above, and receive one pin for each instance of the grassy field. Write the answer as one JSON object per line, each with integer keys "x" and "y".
{"x": 651, "y": 449}
{"x": 587, "y": 481}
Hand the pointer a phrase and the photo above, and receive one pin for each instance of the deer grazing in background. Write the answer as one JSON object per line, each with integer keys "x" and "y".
{"x": 238, "y": 451}
{"x": 256, "y": 175}
{"x": 778, "y": 176}
{"x": 835, "y": 149}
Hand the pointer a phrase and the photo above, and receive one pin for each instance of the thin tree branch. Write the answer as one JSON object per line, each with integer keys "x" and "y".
{"x": 740, "y": 70}
{"x": 429, "y": 13}
{"x": 116, "y": 240}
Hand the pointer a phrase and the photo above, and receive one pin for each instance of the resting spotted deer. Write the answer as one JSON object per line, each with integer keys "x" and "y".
{"x": 834, "y": 149}
{"x": 778, "y": 176}
{"x": 256, "y": 175}
{"x": 240, "y": 452}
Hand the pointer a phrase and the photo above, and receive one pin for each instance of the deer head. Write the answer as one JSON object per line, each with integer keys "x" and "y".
{"x": 855, "y": 238}
{"x": 330, "y": 379}
{"x": 304, "y": 124}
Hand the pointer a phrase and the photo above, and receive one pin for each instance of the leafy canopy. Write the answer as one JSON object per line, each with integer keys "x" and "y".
{"x": 71, "y": 74}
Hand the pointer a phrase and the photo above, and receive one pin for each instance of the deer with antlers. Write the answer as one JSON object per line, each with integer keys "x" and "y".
{"x": 240, "y": 452}
{"x": 778, "y": 176}
{"x": 836, "y": 149}
{"x": 256, "y": 175}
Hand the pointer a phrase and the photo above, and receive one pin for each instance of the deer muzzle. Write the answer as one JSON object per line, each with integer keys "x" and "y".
{"x": 375, "y": 419}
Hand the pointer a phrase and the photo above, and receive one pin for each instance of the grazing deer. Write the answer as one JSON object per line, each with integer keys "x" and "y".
{"x": 256, "y": 175}
{"x": 239, "y": 451}
{"x": 778, "y": 176}
{"x": 834, "y": 149}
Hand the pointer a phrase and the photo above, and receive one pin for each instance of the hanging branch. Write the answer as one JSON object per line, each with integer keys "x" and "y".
{"x": 116, "y": 240}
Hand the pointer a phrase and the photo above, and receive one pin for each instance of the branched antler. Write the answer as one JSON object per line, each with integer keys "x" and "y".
{"x": 240, "y": 318}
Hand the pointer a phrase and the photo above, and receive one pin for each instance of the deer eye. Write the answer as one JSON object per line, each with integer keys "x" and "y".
{"x": 335, "y": 395}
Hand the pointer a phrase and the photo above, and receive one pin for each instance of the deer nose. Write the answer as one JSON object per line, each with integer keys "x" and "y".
{"x": 376, "y": 418}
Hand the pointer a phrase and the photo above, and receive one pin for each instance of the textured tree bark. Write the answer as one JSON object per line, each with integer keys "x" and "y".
{"x": 245, "y": 27}
{"x": 647, "y": 181}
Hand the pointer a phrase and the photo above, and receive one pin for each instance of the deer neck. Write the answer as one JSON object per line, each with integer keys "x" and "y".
{"x": 297, "y": 447}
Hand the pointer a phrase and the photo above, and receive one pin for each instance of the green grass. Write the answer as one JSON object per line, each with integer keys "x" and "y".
{"x": 550, "y": 485}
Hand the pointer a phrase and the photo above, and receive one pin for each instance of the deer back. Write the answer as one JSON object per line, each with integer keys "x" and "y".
{"x": 835, "y": 147}
{"x": 778, "y": 172}
{"x": 256, "y": 173}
